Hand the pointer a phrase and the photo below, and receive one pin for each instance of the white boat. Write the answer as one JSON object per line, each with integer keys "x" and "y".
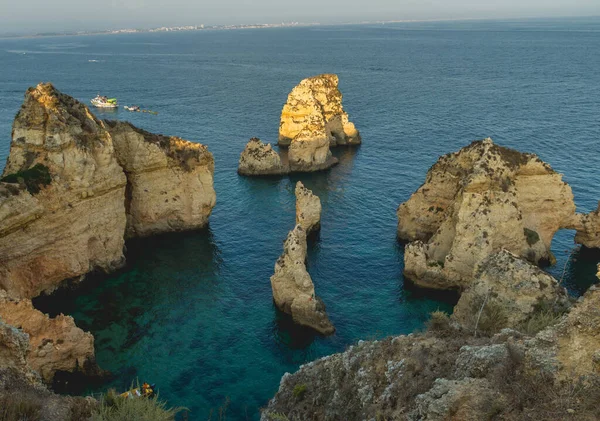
{"x": 104, "y": 102}
{"x": 132, "y": 108}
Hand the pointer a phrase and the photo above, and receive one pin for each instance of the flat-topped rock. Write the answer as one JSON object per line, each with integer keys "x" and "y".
{"x": 259, "y": 158}
{"x": 170, "y": 180}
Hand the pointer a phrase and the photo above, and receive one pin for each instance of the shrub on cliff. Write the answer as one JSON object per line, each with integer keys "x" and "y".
{"x": 16, "y": 407}
{"x": 116, "y": 408}
{"x": 33, "y": 178}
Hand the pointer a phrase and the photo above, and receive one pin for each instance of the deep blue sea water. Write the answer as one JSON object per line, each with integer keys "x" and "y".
{"x": 193, "y": 312}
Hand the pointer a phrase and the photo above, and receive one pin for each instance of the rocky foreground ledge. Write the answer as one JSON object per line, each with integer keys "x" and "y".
{"x": 546, "y": 368}
{"x": 74, "y": 187}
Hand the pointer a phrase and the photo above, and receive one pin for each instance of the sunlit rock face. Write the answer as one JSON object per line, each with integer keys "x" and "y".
{"x": 169, "y": 181}
{"x": 476, "y": 202}
{"x": 63, "y": 212}
{"x": 312, "y": 120}
{"x": 317, "y": 99}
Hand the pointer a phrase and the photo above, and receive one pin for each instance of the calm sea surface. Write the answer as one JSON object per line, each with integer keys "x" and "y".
{"x": 193, "y": 313}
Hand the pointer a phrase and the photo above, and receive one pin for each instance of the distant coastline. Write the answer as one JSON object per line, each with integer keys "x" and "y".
{"x": 202, "y": 27}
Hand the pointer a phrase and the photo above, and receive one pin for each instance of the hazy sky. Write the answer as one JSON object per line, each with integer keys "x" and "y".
{"x": 39, "y": 15}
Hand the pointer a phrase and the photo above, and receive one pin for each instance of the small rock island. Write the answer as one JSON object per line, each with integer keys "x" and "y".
{"x": 293, "y": 288}
{"x": 312, "y": 121}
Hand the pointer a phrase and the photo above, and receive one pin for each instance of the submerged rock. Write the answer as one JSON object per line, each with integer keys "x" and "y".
{"x": 317, "y": 102}
{"x": 169, "y": 181}
{"x": 65, "y": 213}
{"x": 476, "y": 202}
{"x": 56, "y": 344}
{"x": 308, "y": 209}
{"x": 259, "y": 158}
{"x": 293, "y": 289}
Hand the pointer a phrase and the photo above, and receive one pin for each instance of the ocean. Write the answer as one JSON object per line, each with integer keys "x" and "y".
{"x": 193, "y": 312}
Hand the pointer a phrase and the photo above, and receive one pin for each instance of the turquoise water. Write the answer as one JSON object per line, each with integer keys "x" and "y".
{"x": 193, "y": 312}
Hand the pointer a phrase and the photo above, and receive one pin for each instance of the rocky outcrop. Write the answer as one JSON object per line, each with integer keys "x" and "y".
{"x": 308, "y": 209}
{"x": 447, "y": 373}
{"x": 317, "y": 102}
{"x": 309, "y": 150}
{"x": 476, "y": 202}
{"x": 507, "y": 292}
{"x": 588, "y": 228}
{"x": 64, "y": 214}
{"x": 74, "y": 185}
{"x": 293, "y": 289}
{"x": 56, "y": 344}
{"x": 14, "y": 345}
{"x": 169, "y": 181}
{"x": 259, "y": 158}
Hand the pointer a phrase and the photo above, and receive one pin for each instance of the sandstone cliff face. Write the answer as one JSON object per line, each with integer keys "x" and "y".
{"x": 75, "y": 222}
{"x": 317, "y": 101}
{"x": 169, "y": 181}
{"x": 56, "y": 344}
{"x": 309, "y": 150}
{"x": 507, "y": 284}
{"x": 259, "y": 158}
{"x": 308, "y": 209}
{"x": 475, "y": 202}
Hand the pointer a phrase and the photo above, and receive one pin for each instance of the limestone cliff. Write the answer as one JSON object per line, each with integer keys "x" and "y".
{"x": 169, "y": 181}
{"x": 475, "y": 202}
{"x": 308, "y": 209}
{"x": 259, "y": 158}
{"x": 317, "y": 100}
{"x": 65, "y": 214}
{"x": 56, "y": 344}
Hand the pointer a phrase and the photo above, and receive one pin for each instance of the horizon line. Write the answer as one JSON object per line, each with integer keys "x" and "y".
{"x": 264, "y": 25}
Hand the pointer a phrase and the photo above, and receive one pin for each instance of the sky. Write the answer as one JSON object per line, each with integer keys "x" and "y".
{"x": 57, "y": 15}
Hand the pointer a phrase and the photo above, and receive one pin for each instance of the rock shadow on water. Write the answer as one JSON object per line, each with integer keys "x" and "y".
{"x": 580, "y": 270}
{"x": 291, "y": 336}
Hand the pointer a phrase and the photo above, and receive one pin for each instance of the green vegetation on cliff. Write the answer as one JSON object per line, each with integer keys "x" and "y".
{"x": 33, "y": 178}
